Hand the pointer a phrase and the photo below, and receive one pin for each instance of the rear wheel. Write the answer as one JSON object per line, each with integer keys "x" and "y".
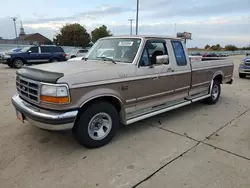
{"x": 96, "y": 125}
{"x": 54, "y": 60}
{"x": 215, "y": 94}
{"x": 18, "y": 63}
{"x": 241, "y": 75}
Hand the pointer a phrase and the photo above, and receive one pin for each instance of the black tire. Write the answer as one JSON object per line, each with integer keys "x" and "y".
{"x": 82, "y": 129}
{"x": 214, "y": 97}
{"x": 10, "y": 65}
{"x": 73, "y": 56}
{"x": 241, "y": 75}
{"x": 18, "y": 63}
{"x": 54, "y": 60}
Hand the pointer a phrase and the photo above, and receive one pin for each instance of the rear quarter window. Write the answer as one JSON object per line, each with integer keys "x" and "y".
{"x": 179, "y": 53}
{"x": 57, "y": 50}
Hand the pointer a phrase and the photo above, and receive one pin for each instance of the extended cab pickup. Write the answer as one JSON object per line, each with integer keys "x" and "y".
{"x": 146, "y": 76}
{"x": 34, "y": 55}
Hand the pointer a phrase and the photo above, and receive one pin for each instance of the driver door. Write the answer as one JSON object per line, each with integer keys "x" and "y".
{"x": 33, "y": 55}
{"x": 153, "y": 83}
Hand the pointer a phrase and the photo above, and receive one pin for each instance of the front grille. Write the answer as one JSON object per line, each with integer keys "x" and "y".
{"x": 28, "y": 89}
{"x": 247, "y": 63}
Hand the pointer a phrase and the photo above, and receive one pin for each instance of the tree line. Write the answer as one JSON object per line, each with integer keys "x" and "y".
{"x": 76, "y": 35}
{"x": 229, "y": 47}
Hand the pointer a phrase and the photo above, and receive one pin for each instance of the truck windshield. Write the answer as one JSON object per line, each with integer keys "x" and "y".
{"x": 25, "y": 49}
{"x": 119, "y": 49}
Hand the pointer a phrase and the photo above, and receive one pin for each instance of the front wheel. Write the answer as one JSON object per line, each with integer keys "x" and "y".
{"x": 96, "y": 125}
{"x": 18, "y": 63}
{"x": 10, "y": 65}
{"x": 215, "y": 94}
{"x": 241, "y": 75}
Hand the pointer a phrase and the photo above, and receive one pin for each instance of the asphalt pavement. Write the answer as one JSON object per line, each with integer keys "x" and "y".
{"x": 197, "y": 146}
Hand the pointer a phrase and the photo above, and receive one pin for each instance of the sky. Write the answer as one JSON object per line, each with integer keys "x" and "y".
{"x": 210, "y": 21}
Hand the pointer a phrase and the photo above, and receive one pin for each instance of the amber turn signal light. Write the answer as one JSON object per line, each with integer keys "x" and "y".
{"x": 57, "y": 100}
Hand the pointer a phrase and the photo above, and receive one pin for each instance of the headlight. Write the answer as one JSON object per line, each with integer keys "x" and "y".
{"x": 6, "y": 56}
{"x": 55, "y": 94}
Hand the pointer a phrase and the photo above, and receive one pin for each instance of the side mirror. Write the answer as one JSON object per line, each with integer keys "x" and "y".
{"x": 162, "y": 59}
{"x": 29, "y": 51}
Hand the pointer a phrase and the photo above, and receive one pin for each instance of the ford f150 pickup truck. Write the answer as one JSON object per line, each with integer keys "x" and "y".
{"x": 146, "y": 76}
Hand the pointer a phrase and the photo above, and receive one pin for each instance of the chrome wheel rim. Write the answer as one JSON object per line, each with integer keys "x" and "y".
{"x": 99, "y": 126}
{"x": 18, "y": 63}
{"x": 215, "y": 92}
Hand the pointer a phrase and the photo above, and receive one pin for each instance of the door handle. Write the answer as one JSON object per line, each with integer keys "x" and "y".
{"x": 173, "y": 76}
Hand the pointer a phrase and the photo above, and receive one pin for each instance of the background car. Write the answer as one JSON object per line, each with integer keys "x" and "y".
{"x": 100, "y": 53}
{"x": 78, "y": 53}
{"x": 244, "y": 67}
{"x": 34, "y": 55}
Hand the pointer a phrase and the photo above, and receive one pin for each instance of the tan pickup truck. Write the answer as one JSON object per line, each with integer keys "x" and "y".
{"x": 144, "y": 76}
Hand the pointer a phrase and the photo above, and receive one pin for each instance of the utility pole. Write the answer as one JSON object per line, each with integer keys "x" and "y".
{"x": 137, "y": 14}
{"x": 75, "y": 35}
{"x": 175, "y": 30}
{"x": 131, "y": 23}
{"x": 14, "y": 20}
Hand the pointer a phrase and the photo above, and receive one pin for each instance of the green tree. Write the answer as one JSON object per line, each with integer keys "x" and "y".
{"x": 72, "y": 35}
{"x": 246, "y": 48}
{"x": 48, "y": 42}
{"x": 231, "y": 47}
{"x": 100, "y": 32}
{"x": 215, "y": 47}
{"x": 207, "y": 47}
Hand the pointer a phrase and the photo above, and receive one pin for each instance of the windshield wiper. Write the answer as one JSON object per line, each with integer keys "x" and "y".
{"x": 107, "y": 59}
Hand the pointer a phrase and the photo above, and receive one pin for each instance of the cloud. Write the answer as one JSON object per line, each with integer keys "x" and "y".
{"x": 99, "y": 12}
{"x": 171, "y": 8}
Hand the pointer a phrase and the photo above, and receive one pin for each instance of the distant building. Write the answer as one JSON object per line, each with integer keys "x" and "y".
{"x": 29, "y": 39}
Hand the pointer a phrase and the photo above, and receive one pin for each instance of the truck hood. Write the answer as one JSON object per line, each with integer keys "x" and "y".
{"x": 74, "y": 67}
{"x": 52, "y": 72}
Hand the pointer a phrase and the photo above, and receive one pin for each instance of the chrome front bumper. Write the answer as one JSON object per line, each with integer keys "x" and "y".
{"x": 44, "y": 119}
{"x": 244, "y": 71}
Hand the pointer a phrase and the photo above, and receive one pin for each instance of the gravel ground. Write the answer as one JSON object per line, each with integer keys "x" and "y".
{"x": 195, "y": 146}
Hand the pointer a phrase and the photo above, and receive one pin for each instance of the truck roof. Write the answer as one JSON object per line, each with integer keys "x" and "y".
{"x": 144, "y": 37}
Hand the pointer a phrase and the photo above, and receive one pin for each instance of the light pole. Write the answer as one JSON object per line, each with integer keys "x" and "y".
{"x": 14, "y": 20}
{"x": 137, "y": 14}
{"x": 131, "y": 23}
{"x": 175, "y": 30}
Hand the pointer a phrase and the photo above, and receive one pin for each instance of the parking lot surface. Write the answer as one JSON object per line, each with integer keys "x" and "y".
{"x": 195, "y": 146}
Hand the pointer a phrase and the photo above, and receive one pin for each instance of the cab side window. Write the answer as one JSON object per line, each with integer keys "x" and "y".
{"x": 33, "y": 50}
{"x": 151, "y": 51}
{"x": 45, "y": 49}
{"x": 179, "y": 53}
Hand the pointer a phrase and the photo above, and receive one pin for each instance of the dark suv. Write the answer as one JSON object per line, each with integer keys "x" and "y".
{"x": 34, "y": 55}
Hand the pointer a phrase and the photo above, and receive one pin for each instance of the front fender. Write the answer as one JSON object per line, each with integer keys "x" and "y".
{"x": 100, "y": 92}
{"x": 104, "y": 92}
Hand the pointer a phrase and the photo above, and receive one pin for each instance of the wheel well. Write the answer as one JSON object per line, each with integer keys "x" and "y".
{"x": 114, "y": 101}
{"x": 18, "y": 58}
{"x": 218, "y": 78}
